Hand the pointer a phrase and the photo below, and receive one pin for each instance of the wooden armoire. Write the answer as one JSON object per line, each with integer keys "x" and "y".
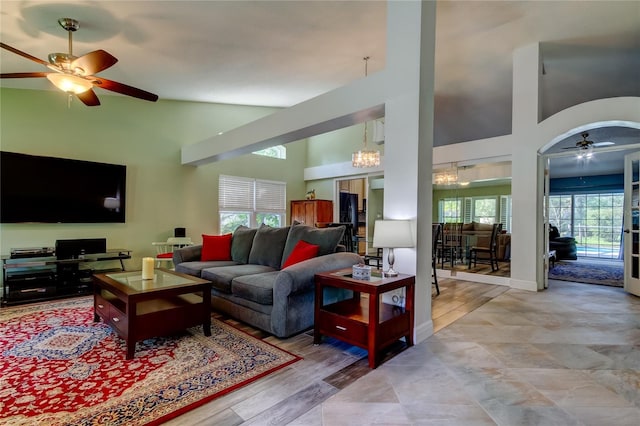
{"x": 311, "y": 212}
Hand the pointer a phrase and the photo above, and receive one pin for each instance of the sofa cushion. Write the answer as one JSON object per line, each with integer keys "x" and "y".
{"x": 195, "y": 267}
{"x": 241, "y": 243}
{"x": 302, "y": 251}
{"x": 256, "y": 288}
{"x": 268, "y": 245}
{"x": 482, "y": 227}
{"x": 216, "y": 247}
{"x": 221, "y": 277}
{"x": 326, "y": 239}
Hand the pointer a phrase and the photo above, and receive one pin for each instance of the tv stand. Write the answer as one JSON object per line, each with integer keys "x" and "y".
{"x": 36, "y": 279}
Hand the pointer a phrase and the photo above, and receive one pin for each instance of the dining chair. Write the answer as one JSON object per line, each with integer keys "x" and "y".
{"x": 164, "y": 250}
{"x": 450, "y": 248}
{"x": 489, "y": 250}
{"x": 436, "y": 232}
{"x": 349, "y": 239}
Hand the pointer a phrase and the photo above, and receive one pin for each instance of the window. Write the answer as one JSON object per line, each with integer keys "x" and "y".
{"x": 561, "y": 213}
{"x": 476, "y": 209}
{"x": 278, "y": 151}
{"x": 505, "y": 212}
{"x": 250, "y": 202}
{"x": 594, "y": 220}
{"x": 485, "y": 209}
{"x": 450, "y": 210}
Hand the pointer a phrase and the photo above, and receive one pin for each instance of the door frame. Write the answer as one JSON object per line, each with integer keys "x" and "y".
{"x": 336, "y": 203}
{"x": 544, "y": 168}
{"x": 631, "y": 209}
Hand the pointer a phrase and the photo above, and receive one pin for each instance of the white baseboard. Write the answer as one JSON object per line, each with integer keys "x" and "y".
{"x": 422, "y": 331}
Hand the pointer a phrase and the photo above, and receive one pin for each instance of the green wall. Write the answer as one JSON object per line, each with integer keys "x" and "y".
{"x": 333, "y": 148}
{"x": 146, "y": 137}
{"x": 462, "y": 192}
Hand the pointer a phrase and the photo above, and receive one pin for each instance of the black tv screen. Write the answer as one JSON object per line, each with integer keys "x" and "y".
{"x": 59, "y": 190}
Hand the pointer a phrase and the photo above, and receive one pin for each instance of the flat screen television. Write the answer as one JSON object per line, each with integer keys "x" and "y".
{"x": 60, "y": 190}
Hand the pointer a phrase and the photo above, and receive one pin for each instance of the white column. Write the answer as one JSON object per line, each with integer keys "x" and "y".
{"x": 525, "y": 192}
{"x": 409, "y": 140}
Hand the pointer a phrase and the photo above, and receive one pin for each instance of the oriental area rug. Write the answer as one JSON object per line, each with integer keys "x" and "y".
{"x": 602, "y": 273}
{"x": 60, "y": 368}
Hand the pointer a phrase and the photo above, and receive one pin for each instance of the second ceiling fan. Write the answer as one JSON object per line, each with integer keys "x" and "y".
{"x": 587, "y": 144}
{"x": 76, "y": 74}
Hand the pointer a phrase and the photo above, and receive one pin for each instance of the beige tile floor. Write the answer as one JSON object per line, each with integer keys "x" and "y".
{"x": 567, "y": 356}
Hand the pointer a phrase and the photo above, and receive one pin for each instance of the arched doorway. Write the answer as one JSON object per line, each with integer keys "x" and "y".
{"x": 583, "y": 203}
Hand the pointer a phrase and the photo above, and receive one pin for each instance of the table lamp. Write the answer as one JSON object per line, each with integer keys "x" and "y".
{"x": 392, "y": 234}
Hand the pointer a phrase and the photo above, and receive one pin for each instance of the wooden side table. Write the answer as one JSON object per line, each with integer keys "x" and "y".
{"x": 366, "y": 322}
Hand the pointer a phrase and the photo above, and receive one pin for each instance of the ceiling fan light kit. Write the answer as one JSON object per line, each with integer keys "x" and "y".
{"x": 69, "y": 83}
{"x": 75, "y": 75}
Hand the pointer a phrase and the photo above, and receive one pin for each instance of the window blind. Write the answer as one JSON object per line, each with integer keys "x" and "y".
{"x": 247, "y": 194}
{"x": 236, "y": 193}
{"x": 271, "y": 196}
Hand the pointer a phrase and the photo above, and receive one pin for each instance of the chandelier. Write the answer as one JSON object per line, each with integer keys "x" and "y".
{"x": 365, "y": 157}
{"x": 447, "y": 176}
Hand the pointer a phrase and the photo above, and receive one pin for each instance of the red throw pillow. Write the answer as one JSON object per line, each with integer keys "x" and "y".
{"x": 216, "y": 247}
{"x": 302, "y": 251}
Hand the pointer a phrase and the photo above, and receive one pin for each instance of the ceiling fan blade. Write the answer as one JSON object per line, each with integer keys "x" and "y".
{"x": 94, "y": 62}
{"x": 604, "y": 143}
{"x": 24, "y": 75}
{"x": 89, "y": 98}
{"x": 23, "y": 54}
{"x": 114, "y": 86}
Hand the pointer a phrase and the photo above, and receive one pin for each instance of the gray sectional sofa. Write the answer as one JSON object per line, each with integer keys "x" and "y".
{"x": 252, "y": 287}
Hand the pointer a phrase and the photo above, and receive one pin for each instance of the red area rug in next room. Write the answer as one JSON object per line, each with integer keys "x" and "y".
{"x": 58, "y": 367}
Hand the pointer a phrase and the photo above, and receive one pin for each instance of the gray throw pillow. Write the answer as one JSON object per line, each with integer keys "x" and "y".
{"x": 268, "y": 245}
{"x": 241, "y": 243}
{"x": 326, "y": 238}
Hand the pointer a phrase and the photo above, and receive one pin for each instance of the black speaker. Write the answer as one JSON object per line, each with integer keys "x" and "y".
{"x": 180, "y": 232}
{"x": 72, "y": 249}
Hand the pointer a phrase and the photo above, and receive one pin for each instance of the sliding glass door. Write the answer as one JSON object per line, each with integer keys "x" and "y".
{"x": 594, "y": 220}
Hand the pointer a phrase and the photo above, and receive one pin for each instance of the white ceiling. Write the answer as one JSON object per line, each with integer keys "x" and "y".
{"x": 279, "y": 53}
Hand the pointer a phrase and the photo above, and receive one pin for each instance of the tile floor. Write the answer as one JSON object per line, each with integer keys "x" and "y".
{"x": 567, "y": 356}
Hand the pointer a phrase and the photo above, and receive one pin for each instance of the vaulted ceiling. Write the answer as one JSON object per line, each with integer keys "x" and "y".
{"x": 279, "y": 53}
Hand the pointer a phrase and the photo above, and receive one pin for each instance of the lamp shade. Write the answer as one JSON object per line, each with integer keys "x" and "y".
{"x": 392, "y": 234}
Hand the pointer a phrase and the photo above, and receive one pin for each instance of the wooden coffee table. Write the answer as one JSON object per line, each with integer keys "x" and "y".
{"x": 367, "y": 322}
{"x": 139, "y": 309}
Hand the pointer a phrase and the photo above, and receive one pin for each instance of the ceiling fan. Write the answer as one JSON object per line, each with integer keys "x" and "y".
{"x": 585, "y": 144}
{"x": 76, "y": 74}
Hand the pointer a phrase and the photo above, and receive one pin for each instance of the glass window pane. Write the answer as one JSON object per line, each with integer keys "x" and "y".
{"x": 229, "y": 221}
{"x": 272, "y": 219}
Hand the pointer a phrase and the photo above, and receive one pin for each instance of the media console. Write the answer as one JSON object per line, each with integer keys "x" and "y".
{"x": 38, "y": 278}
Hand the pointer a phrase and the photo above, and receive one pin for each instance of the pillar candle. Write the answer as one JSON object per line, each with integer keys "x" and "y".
{"x": 147, "y": 268}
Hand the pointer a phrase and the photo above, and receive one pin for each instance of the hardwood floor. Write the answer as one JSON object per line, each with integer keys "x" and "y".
{"x": 458, "y": 298}
{"x": 288, "y": 394}
{"x": 504, "y": 268}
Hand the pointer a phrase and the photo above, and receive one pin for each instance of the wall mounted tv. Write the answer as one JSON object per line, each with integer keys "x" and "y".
{"x": 59, "y": 190}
